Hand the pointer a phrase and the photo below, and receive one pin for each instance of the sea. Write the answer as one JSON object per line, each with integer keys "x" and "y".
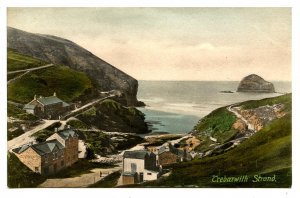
{"x": 177, "y": 106}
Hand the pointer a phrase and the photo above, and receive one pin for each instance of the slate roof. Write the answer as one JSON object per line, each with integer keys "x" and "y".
{"x": 41, "y": 148}
{"x": 135, "y": 154}
{"x": 47, "y": 147}
{"x": 66, "y": 134}
{"x": 29, "y": 106}
{"x": 51, "y": 100}
{"x": 21, "y": 148}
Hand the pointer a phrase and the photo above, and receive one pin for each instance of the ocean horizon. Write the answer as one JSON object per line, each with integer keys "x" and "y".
{"x": 177, "y": 106}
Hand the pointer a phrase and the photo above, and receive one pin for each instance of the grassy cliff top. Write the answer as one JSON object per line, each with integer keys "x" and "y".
{"x": 67, "y": 83}
{"x": 17, "y": 61}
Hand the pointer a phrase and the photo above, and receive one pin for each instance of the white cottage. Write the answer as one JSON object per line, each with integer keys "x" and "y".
{"x": 139, "y": 166}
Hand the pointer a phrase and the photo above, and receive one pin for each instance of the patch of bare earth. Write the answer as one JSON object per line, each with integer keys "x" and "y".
{"x": 261, "y": 116}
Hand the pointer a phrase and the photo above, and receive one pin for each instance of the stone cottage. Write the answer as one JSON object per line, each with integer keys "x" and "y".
{"x": 168, "y": 154}
{"x": 52, "y": 155}
{"x": 69, "y": 139}
{"x": 139, "y": 166}
{"x": 48, "y": 107}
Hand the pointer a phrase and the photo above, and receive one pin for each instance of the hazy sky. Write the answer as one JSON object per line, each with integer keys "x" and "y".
{"x": 174, "y": 43}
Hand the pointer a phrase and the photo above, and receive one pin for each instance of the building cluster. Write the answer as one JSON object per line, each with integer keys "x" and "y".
{"x": 50, "y": 107}
{"x": 143, "y": 165}
{"x": 59, "y": 151}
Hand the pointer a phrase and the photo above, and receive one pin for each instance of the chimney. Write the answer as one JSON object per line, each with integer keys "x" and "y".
{"x": 34, "y": 97}
{"x": 54, "y": 94}
{"x": 55, "y": 129}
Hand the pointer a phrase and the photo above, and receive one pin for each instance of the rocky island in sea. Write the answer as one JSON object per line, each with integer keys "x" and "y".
{"x": 255, "y": 83}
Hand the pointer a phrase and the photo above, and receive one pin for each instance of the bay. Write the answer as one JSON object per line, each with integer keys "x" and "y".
{"x": 177, "y": 106}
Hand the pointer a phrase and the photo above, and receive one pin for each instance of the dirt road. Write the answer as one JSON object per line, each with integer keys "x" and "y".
{"x": 30, "y": 69}
{"x": 83, "y": 180}
{"x": 250, "y": 126}
{"x": 26, "y": 137}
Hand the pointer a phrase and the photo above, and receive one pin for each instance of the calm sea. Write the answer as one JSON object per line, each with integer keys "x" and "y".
{"x": 176, "y": 106}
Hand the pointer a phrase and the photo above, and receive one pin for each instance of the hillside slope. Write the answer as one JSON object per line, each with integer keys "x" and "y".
{"x": 64, "y": 52}
{"x": 266, "y": 153}
{"x": 69, "y": 84}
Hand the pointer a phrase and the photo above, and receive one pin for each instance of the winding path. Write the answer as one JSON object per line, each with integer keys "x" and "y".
{"x": 26, "y": 72}
{"x": 84, "y": 107}
{"x": 249, "y": 125}
{"x": 30, "y": 69}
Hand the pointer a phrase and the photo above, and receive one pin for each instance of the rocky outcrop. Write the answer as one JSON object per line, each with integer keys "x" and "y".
{"x": 255, "y": 83}
{"x": 64, "y": 52}
{"x": 111, "y": 116}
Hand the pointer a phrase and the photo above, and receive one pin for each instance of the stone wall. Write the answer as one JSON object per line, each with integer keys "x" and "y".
{"x": 71, "y": 151}
{"x": 126, "y": 179}
{"x": 53, "y": 162}
{"x": 31, "y": 159}
{"x": 167, "y": 158}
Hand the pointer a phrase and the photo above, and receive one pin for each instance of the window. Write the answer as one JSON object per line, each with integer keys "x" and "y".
{"x": 133, "y": 167}
{"x": 46, "y": 159}
{"x": 149, "y": 173}
{"x": 62, "y": 163}
{"x": 36, "y": 169}
{"x": 55, "y": 155}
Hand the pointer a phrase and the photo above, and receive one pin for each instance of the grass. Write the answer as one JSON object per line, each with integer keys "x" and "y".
{"x": 82, "y": 166}
{"x": 13, "y": 134}
{"x": 90, "y": 112}
{"x": 43, "y": 134}
{"x": 19, "y": 176}
{"x": 217, "y": 124}
{"x": 97, "y": 143}
{"x": 114, "y": 117}
{"x": 77, "y": 124}
{"x": 285, "y": 99}
{"x": 108, "y": 182}
{"x": 17, "y": 61}
{"x": 67, "y": 83}
{"x": 11, "y": 76}
{"x": 266, "y": 153}
{"x": 218, "y": 121}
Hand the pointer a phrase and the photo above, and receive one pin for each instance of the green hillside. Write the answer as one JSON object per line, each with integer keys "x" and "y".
{"x": 266, "y": 153}
{"x": 17, "y": 61}
{"x": 19, "y": 176}
{"x": 67, "y": 83}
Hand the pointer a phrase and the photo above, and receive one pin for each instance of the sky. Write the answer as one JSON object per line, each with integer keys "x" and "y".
{"x": 196, "y": 44}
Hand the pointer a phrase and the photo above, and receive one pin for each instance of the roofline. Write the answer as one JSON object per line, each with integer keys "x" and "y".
{"x": 40, "y": 102}
{"x": 26, "y": 149}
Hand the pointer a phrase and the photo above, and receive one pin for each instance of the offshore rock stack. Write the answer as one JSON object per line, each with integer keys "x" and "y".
{"x": 255, "y": 83}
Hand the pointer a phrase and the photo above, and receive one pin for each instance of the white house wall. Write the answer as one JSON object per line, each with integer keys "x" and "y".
{"x": 140, "y": 165}
{"x": 153, "y": 176}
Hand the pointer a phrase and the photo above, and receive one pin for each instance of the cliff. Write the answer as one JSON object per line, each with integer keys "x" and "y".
{"x": 255, "y": 83}
{"x": 64, "y": 52}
